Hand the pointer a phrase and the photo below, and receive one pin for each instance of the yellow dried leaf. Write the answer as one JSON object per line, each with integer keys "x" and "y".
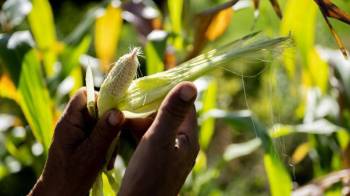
{"x": 219, "y": 24}
{"x": 8, "y": 89}
{"x": 300, "y": 153}
{"x": 107, "y": 33}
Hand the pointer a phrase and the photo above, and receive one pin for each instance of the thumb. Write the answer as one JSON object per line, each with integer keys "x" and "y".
{"x": 173, "y": 112}
{"x": 106, "y": 129}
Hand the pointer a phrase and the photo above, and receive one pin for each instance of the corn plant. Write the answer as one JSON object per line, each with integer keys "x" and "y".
{"x": 285, "y": 103}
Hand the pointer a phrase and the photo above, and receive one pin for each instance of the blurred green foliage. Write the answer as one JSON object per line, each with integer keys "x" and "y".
{"x": 275, "y": 126}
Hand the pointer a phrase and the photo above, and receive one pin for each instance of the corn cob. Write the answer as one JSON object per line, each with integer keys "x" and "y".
{"x": 117, "y": 82}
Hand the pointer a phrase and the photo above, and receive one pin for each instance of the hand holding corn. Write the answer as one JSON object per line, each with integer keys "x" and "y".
{"x": 78, "y": 151}
{"x": 167, "y": 152}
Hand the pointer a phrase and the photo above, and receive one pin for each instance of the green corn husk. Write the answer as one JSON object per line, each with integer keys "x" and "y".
{"x": 145, "y": 94}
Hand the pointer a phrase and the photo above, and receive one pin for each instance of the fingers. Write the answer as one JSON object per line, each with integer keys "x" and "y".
{"x": 106, "y": 129}
{"x": 75, "y": 122}
{"x": 76, "y": 112}
{"x": 173, "y": 112}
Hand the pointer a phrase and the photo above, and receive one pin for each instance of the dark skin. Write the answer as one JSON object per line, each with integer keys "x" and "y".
{"x": 167, "y": 149}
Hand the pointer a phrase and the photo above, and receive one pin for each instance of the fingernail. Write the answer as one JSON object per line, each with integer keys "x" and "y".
{"x": 187, "y": 93}
{"x": 114, "y": 118}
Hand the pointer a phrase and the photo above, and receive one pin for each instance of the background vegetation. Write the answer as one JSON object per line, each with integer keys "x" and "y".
{"x": 275, "y": 126}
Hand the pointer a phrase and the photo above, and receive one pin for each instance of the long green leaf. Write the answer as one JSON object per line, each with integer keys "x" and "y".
{"x": 43, "y": 28}
{"x": 154, "y": 51}
{"x": 234, "y": 151}
{"x": 208, "y": 125}
{"x": 22, "y": 62}
{"x": 175, "y": 8}
{"x": 321, "y": 127}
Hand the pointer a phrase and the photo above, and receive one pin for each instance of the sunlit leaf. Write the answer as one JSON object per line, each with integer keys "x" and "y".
{"x": 344, "y": 139}
{"x": 107, "y": 189}
{"x": 208, "y": 125}
{"x": 201, "y": 162}
{"x": 114, "y": 179}
{"x": 107, "y": 32}
{"x": 77, "y": 77}
{"x": 175, "y": 8}
{"x": 318, "y": 70}
{"x": 43, "y": 29}
{"x": 279, "y": 179}
{"x": 299, "y": 21}
{"x": 24, "y": 67}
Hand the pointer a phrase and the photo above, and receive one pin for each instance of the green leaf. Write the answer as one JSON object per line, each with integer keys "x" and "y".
{"x": 71, "y": 55}
{"x": 114, "y": 179}
{"x": 83, "y": 28}
{"x": 22, "y": 153}
{"x": 208, "y": 125}
{"x": 279, "y": 179}
{"x": 21, "y": 60}
{"x": 154, "y": 51}
{"x": 300, "y": 21}
{"x": 175, "y": 8}
{"x": 321, "y": 127}
{"x": 43, "y": 28}
{"x": 234, "y": 151}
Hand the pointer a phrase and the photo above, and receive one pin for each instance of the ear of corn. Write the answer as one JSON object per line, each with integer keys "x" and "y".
{"x": 117, "y": 82}
{"x": 145, "y": 94}
{"x": 140, "y": 97}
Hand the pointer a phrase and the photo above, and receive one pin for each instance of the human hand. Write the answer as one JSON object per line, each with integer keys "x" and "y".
{"x": 78, "y": 150}
{"x": 167, "y": 151}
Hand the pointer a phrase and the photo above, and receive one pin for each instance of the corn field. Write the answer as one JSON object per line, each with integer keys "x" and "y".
{"x": 273, "y": 80}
